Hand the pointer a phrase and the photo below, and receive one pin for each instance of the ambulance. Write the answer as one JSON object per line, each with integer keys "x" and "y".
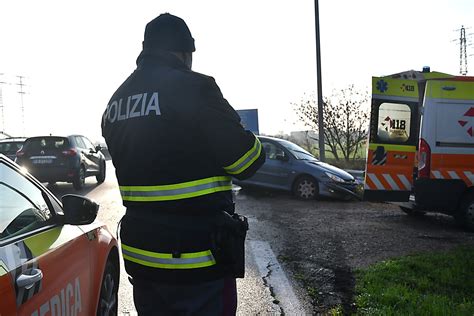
{"x": 421, "y": 143}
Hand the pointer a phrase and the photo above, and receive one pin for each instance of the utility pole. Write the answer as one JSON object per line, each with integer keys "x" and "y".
{"x": 322, "y": 153}
{"x": 21, "y": 93}
{"x": 463, "y": 43}
{"x": 2, "y": 110}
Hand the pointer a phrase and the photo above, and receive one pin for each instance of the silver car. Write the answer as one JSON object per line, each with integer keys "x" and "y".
{"x": 291, "y": 168}
{"x": 9, "y": 146}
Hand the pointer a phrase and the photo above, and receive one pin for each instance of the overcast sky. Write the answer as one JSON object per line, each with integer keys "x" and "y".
{"x": 261, "y": 52}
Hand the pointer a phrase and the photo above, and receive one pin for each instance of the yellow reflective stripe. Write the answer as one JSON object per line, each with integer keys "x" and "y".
{"x": 174, "y": 186}
{"x": 177, "y": 191}
{"x": 166, "y": 255}
{"x": 177, "y": 196}
{"x": 454, "y": 90}
{"x": 170, "y": 266}
{"x": 390, "y": 147}
{"x": 190, "y": 260}
{"x": 246, "y": 160}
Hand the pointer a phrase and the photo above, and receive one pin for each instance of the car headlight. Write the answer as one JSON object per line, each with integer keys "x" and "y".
{"x": 334, "y": 177}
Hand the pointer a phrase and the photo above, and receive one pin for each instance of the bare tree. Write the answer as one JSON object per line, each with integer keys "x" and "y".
{"x": 345, "y": 120}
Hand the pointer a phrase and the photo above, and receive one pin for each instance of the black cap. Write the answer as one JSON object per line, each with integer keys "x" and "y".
{"x": 168, "y": 32}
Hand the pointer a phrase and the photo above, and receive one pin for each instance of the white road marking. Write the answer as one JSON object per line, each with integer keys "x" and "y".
{"x": 270, "y": 269}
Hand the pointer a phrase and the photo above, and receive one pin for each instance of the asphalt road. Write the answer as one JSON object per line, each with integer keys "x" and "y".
{"x": 265, "y": 290}
{"x": 301, "y": 255}
{"x": 321, "y": 243}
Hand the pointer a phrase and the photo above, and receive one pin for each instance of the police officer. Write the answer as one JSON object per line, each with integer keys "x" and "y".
{"x": 175, "y": 143}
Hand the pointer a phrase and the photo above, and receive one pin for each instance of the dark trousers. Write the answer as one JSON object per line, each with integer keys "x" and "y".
{"x": 217, "y": 297}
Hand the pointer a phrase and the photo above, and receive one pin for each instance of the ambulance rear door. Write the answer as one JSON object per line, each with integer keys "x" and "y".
{"x": 447, "y": 138}
{"x": 393, "y": 138}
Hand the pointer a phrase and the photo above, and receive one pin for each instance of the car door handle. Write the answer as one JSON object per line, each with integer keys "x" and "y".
{"x": 28, "y": 278}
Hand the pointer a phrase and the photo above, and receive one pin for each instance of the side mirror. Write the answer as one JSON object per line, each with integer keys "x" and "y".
{"x": 282, "y": 157}
{"x": 98, "y": 148}
{"x": 79, "y": 210}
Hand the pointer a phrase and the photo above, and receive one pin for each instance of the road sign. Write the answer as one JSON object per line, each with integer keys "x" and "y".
{"x": 249, "y": 119}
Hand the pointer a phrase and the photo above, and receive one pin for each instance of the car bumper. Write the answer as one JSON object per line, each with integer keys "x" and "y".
{"x": 53, "y": 174}
{"x": 339, "y": 191}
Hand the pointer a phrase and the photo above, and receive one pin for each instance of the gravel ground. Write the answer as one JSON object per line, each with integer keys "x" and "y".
{"x": 321, "y": 243}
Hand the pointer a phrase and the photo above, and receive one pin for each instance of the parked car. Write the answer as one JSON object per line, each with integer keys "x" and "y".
{"x": 62, "y": 159}
{"x": 54, "y": 257}
{"x": 9, "y": 146}
{"x": 291, "y": 168}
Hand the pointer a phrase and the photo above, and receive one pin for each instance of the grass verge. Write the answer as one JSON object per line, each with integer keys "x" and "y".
{"x": 429, "y": 284}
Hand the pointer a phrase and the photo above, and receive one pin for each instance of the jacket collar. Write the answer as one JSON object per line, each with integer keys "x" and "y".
{"x": 159, "y": 56}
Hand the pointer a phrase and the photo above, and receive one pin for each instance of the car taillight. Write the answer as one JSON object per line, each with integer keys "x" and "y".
{"x": 20, "y": 153}
{"x": 424, "y": 159}
{"x": 70, "y": 152}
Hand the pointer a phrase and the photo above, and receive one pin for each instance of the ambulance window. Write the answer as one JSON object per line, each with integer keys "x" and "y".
{"x": 23, "y": 208}
{"x": 394, "y": 122}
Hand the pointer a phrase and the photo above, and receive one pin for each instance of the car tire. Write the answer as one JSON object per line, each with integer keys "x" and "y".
{"x": 465, "y": 213}
{"x": 79, "y": 179}
{"x": 306, "y": 188}
{"x": 412, "y": 212}
{"x": 108, "y": 298}
{"x": 101, "y": 176}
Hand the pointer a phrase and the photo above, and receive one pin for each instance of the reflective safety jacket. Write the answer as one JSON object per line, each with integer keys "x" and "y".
{"x": 175, "y": 143}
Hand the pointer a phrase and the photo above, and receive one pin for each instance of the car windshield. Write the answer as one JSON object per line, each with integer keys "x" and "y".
{"x": 40, "y": 143}
{"x": 296, "y": 150}
{"x": 8, "y": 147}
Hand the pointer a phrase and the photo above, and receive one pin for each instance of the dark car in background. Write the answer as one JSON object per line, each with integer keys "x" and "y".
{"x": 62, "y": 159}
{"x": 9, "y": 146}
{"x": 289, "y": 167}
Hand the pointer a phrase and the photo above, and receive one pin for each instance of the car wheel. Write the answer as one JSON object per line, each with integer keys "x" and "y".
{"x": 108, "y": 299}
{"x": 80, "y": 179}
{"x": 411, "y": 212}
{"x": 465, "y": 213}
{"x": 101, "y": 176}
{"x": 306, "y": 188}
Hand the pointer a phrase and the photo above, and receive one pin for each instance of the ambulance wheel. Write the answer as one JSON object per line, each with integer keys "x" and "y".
{"x": 465, "y": 213}
{"x": 306, "y": 188}
{"x": 412, "y": 212}
{"x": 108, "y": 299}
{"x": 101, "y": 176}
{"x": 79, "y": 179}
